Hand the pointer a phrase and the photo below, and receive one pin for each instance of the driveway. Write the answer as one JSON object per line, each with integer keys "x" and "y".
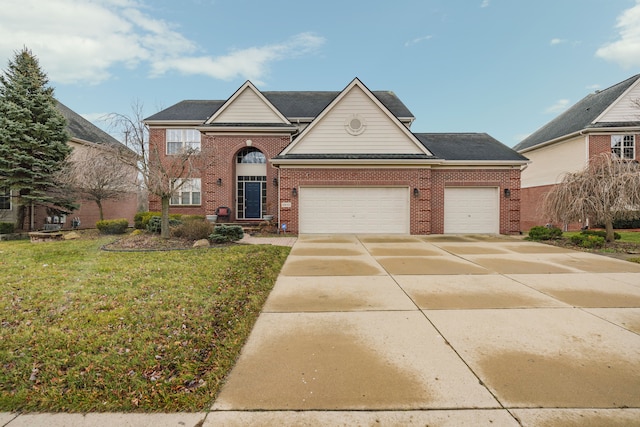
{"x": 441, "y": 330}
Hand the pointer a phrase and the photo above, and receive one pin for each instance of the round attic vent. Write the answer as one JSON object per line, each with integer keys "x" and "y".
{"x": 355, "y": 124}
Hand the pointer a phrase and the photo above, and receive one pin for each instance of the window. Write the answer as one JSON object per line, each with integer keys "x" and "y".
{"x": 188, "y": 192}
{"x": 623, "y": 146}
{"x": 179, "y": 140}
{"x": 5, "y": 199}
{"x": 250, "y": 155}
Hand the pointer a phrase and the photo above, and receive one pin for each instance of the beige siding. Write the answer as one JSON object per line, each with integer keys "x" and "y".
{"x": 625, "y": 109}
{"x": 549, "y": 164}
{"x": 381, "y": 135}
{"x": 248, "y": 107}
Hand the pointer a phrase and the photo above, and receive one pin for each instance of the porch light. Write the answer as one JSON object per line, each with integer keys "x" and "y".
{"x": 275, "y": 182}
{"x": 294, "y": 192}
{"x": 507, "y": 192}
{"x": 219, "y": 182}
{"x": 416, "y": 192}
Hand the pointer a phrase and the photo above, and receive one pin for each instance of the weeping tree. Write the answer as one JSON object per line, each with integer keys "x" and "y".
{"x": 162, "y": 175}
{"x": 607, "y": 189}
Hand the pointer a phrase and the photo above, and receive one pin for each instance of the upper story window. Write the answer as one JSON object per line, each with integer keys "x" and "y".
{"x": 180, "y": 140}
{"x": 251, "y": 155}
{"x": 5, "y": 199}
{"x": 188, "y": 193}
{"x": 623, "y": 146}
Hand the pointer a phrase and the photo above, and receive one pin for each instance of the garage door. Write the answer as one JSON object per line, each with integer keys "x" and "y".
{"x": 354, "y": 210}
{"x": 471, "y": 210}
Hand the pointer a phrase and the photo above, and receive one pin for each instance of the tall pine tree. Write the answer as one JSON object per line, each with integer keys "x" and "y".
{"x": 33, "y": 137}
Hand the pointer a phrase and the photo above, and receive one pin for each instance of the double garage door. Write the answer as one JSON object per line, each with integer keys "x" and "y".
{"x": 329, "y": 210}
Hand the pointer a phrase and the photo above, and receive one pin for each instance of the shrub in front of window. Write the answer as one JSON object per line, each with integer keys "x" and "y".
{"x": 544, "y": 233}
{"x": 193, "y": 229}
{"x": 112, "y": 226}
{"x": 226, "y": 233}
{"x": 141, "y": 219}
{"x": 6, "y": 227}
{"x": 155, "y": 223}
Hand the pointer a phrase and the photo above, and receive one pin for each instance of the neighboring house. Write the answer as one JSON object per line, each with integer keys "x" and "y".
{"x": 607, "y": 121}
{"x": 339, "y": 162}
{"x": 83, "y": 134}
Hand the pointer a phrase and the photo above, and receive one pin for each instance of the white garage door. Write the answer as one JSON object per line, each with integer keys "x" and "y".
{"x": 471, "y": 210}
{"x": 354, "y": 210}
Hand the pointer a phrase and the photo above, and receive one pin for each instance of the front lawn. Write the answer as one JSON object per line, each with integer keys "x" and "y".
{"x": 86, "y": 330}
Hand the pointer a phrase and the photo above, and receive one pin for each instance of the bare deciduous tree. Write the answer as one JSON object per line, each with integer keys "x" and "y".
{"x": 96, "y": 173}
{"x": 608, "y": 188}
{"x": 162, "y": 175}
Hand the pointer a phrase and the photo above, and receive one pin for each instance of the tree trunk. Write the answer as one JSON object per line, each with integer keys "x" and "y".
{"x": 608, "y": 226}
{"x": 22, "y": 213}
{"x": 164, "y": 230}
{"x": 99, "y": 203}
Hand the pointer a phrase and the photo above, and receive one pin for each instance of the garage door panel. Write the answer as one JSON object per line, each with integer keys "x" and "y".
{"x": 354, "y": 210}
{"x": 471, "y": 210}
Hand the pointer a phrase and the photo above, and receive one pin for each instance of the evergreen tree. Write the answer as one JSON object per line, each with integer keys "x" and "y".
{"x": 33, "y": 137}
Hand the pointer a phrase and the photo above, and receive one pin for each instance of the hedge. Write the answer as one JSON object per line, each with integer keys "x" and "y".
{"x": 113, "y": 226}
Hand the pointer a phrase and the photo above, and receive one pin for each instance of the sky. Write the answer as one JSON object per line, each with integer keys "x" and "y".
{"x": 504, "y": 67}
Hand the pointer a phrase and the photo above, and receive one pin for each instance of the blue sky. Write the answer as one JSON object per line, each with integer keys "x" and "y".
{"x": 504, "y": 67}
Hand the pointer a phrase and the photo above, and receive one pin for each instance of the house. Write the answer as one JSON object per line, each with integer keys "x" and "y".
{"x": 83, "y": 134}
{"x": 339, "y": 162}
{"x": 607, "y": 121}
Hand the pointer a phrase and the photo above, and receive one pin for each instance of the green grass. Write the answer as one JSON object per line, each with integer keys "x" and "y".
{"x": 85, "y": 330}
{"x": 625, "y": 236}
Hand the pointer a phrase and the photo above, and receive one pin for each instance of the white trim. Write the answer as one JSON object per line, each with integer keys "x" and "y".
{"x": 355, "y": 163}
{"x": 617, "y": 100}
{"x": 246, "y": 86}
{"x": 356, "y": 82}
{"x": 171, "y": 123}
{"x": 235, "y": 129}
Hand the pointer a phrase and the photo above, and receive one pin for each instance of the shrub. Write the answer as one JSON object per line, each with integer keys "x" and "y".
{"x": 141, "y": 219}
{"x": 589, "y": 241}
{"x": 226, "y": 233}
{"x": 154, "y": 224}
{"x": 600, "y": 233}
{"x": 6, "y": 227}
{"x": 193, "y": 229}
{"x": 544, "y": 233}
{"x": 112, "y": 226}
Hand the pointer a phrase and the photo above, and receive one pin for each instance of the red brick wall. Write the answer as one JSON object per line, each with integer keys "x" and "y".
{"x": 427, "y": 210}
{"x": 602, "y": 144}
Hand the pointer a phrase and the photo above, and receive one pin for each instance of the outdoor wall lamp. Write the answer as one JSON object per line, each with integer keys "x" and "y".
{"x": 275, "y": 182}
{"x": 416, "y": 192}
{"x": 507, "y": 192}
{"x": 219, "y": 182}
{"x": 294, "y": 192}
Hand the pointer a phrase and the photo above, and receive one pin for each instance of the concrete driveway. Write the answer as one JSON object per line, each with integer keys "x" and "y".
{"x": 441, "y": 330}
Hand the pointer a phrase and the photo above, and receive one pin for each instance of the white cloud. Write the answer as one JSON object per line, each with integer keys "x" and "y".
{"x": 558, "y": 107}
{"x": 485, "y": 3}
{"x": 417, "y": 40}
{"x": 626, "y": 50}
{"x": 557, "y": 41}
{"x": 80, "y": 41}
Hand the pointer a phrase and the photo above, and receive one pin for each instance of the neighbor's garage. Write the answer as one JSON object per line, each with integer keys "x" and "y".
{"x": 329, "y": 210}
{"x": 471, "y": 210}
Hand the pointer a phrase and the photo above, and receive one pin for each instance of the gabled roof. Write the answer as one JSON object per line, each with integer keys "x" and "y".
{"x": 579, "y": 117}
{"x": 82, "y": 129}
{"x": 250, "y": 94}
{"x": 292, "y": 104}
{"x": 468, "y": 147}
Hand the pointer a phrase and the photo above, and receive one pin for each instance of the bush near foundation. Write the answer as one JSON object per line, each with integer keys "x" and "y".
{"x": 113, "y": 226}
{"x": 154, "y": 224}
{"x": 6, "y": 227}
{"x": 193, "y": 228}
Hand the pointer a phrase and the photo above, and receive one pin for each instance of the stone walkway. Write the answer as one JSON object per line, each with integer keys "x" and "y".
{"x": 280, "y": 240}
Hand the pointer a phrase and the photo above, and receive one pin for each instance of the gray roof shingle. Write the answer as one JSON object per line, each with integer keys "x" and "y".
{"x": 292, "y": 104}
{"x": 468, "y": 147}
{"x": 579, "y": 117}
{"x": 81, "y": 128}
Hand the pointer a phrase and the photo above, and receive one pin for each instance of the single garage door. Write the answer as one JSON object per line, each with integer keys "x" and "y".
{"x": 354, "y": 210}
{"x": 471, "y": 210}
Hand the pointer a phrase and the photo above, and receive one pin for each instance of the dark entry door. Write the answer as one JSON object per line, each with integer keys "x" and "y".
{"x": 252, "y": 198}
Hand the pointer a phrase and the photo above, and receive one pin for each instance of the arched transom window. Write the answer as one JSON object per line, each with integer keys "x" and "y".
{"x": 250, "y": 155}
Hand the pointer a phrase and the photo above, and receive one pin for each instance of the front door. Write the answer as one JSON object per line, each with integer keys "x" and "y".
{"x": 252, "y": 197}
